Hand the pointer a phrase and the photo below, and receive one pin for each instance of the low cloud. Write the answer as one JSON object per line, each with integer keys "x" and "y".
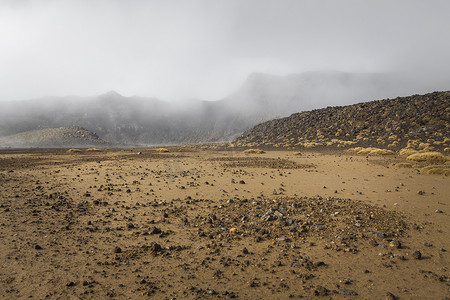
{"x": 203, "y": 49}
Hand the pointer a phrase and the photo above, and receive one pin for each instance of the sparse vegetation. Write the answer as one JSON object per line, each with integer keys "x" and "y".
{"x": 371, "y": 151}
{"x": 402, "y": 165}
{"x": 432, "y": 157}
{"x": 254, "y": 151}
{"x": 73, "y": 151}
{"x": 436, "y": 169}
{"x": 407, "y": 152}
{"x": 162, "y": 150}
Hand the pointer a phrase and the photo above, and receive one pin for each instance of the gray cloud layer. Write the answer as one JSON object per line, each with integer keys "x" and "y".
{"x": 204, "y": 48}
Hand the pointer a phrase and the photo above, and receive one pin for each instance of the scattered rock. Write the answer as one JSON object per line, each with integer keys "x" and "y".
{"x": 347, "y": 292}
{"x": 395, "y": 244}
{"x": 155, "y": 247}
{"x": 321, "y": 291}
{"x": 417, "y": 254}
{"x": 390, "y": 296}
{"x": 155, "y": 230}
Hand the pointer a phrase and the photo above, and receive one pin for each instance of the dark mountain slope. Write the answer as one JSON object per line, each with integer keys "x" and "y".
{"x": 384, "y": 123}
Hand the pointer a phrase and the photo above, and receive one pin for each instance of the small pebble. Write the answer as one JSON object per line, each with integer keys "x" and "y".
{"x": 395, "y": 244}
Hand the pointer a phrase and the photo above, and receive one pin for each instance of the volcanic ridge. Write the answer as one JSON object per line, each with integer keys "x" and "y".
{"x": 418, "y": 122}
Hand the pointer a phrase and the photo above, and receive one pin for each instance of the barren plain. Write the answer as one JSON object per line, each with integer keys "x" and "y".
{"x": 199, "y": 223}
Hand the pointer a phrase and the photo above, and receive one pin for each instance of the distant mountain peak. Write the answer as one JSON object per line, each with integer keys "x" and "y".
{"x": 111, "y": 94}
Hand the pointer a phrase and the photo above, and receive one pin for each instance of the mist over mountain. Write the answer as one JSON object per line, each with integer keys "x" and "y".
{"x": 149, "y": 121}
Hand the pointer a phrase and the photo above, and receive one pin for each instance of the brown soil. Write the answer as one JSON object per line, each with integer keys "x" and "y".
{"x": 194, "y": 223}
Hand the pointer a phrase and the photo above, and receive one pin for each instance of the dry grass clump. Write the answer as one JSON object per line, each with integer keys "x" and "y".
{"x": 162, "y": 150}
{"x": 447, "y": 149}
{"x": 298, "y": 153}
{"x": 436, "y": 170}
{"x": 73, "y": 151}
{"x": 434, "y": 157}
{"x": 377, "y": 151}
{"x": 308, "y": 144}
{"x": 311, "y": 145}
{"x": 407, "y": 151}
{"x": 393, "y": 144}
{"x": 94, "y": 150}
{"x": 254, "y": 151}
{"x": 356, "y": 149}
{"x": 402, "y": 165}
{"x": 340, "y": 143}
{"x": 371, "y": 151}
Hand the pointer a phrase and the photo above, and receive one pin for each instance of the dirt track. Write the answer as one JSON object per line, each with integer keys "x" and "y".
{"x": 220, "y": 224}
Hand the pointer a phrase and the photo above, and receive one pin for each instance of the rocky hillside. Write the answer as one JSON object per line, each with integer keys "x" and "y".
{"x": 64, "y": 137}
{"x": 149, "y": 121}
{"x": 423, "y": 120}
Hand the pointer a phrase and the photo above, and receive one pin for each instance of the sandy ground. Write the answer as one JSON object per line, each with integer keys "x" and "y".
{"x": 194, "y": 224}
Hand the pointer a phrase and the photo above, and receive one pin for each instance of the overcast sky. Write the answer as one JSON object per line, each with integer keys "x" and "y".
{"x": 205, "y": 48}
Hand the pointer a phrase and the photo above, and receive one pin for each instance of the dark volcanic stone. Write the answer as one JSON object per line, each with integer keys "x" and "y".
{"x": 155, "y": 230}
{"x": 417, "y": 254}
{"x": 373, "y": 243}
{"x": 321, "y": 291}
{"x": 347, "y": 292}
{"x": 155, "y": 247}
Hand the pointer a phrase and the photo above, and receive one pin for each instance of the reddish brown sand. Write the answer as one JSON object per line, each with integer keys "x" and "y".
{"x": 219, "y": 224}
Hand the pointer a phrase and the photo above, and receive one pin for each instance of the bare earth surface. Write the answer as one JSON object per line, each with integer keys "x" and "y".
{"x": 204, "y": 224}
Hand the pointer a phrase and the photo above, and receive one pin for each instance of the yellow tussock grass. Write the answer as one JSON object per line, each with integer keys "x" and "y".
{"x": 94, "y": 150}
{"x": 162, "y": 150}
{"x": 402, "y": 165}
{"x": 73, "y": 151}
{"x": 434, "y": 157}
{"x": 436, "y": 170}
{"x": 254, "y": 151}
{"x": 373, "y": 151}
{"x": 407, "y": 151}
